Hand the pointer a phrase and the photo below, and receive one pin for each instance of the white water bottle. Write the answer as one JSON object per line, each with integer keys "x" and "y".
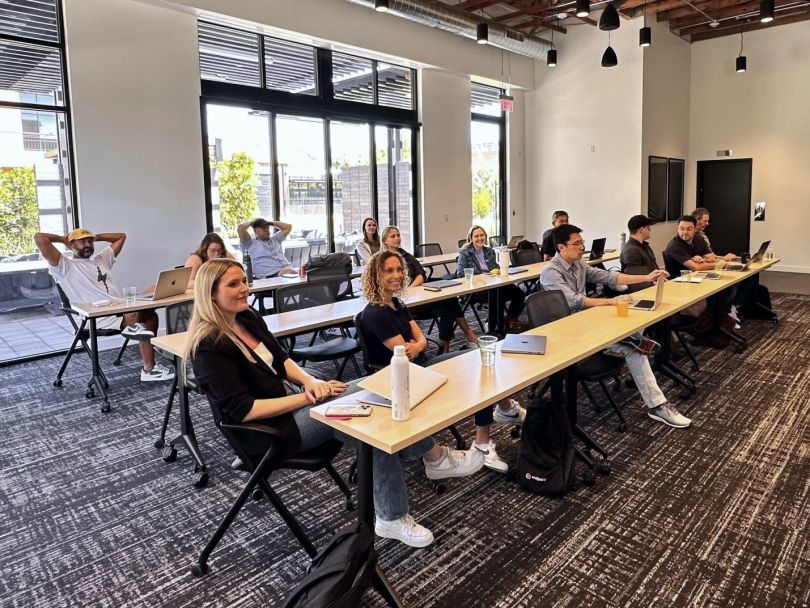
{"x": 400, "y": 385}
{"x": 503, "y": 261}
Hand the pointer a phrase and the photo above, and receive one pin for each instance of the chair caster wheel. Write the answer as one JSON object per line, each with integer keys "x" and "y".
{"x": 257, "y": 495}
{"x": 349, "y": 504}
{"x": 603, "y": 467}
{"x": 159, "y": 444}
{"x": 353, "y": 478}
{"x": 198, "y": 570}
{"x": 89, "y": 393}
{"x": 589, "y": 477}
{"x": 685, "y": 394}
{"x": 439, "y": 487}
{"x": 116, "y": 362}
{"x": 169, "y": 454}
{"x": 199, "y": 480}
{"x": 57, "y": 383}
{"x": 515, "y": 432}
{"x": 105, "y": 408}
{"x": 622, "y": 427}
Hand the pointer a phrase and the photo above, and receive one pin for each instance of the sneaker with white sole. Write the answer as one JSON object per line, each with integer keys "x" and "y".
{"x": 454, "y": 463}
{"x": 137, "y": 331}
{"x": 157, "y": 374}
{"x": 405, "y": 529}
{"x": 667, "y": 414}
{"x": 514, "y": 415}
{"x": 491, "y": 458}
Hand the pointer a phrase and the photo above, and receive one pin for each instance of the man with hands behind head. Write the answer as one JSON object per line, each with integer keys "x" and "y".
{"x": 266, "y": 252}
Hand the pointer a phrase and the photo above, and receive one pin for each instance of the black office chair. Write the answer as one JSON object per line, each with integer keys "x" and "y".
{"x": 524, "y": 257}
{"x": 547, "y": 306}
{"x": 461, "y": 243}
{"x": 82, "y": 334}
{"x": 428, "y": 249}
{"x": 497, "y": 241}
{"x": 338, "y": 280}
{"x": 246, "y": 439}
{"x": 375, "y": 366}
{"x": 297, "y": 297}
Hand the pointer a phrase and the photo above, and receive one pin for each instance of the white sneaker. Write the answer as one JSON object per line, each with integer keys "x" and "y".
{"x": 157, "y": 374}
{"x": 491, "y": 458}
{"x": 405, "y": 529}
{"x": 514, "y": 415}
{"x": 667, "y": 414}
{"x": 454, "y": 463}
{"x": 734, "y": 314}
{"x": 137, "y": 331}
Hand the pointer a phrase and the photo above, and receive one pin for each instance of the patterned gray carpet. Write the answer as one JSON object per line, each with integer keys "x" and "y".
{"x": 713, "y": 516}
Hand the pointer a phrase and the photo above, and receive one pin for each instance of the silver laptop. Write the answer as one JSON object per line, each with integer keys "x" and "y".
{"x": 652, "y": 304}
{"x": 524, "y": 345}
{"x": 170, "y": 283}
{"x": 757, "y": 257}
{"x": 423, "y": 383}
{"x": 514, "y": 241}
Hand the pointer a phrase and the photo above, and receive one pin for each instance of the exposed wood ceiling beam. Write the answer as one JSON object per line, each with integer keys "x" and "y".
{"x": 687, "y": 11}
{"x": 751, "y": 26}
{"x": 731, "y": 11}
{"x": 474, "y": 5}
{"x": 537, "y": 23}
{"x": 541, "y": 8}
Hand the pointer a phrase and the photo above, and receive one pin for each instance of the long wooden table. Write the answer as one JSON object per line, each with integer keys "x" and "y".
{"x": 472, "y": 386}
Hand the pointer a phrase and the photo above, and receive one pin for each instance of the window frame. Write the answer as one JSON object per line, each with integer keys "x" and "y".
{"x": 502, "y": 169}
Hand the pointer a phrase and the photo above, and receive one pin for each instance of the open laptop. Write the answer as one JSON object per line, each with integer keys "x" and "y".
{"x": 652, "y": 304}
{"x": 170, "y": 283}
{"x": 514, "y": 241}
{"x": 443, "y": 283}
{"x": 757, "y": 257}
{"x": 597, "y": 249}
{"x": 524, "y": 345}
{"x": 423, "y": 383}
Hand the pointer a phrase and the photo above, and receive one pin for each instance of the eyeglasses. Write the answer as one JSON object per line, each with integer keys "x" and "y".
{"x": 576, "y": 244}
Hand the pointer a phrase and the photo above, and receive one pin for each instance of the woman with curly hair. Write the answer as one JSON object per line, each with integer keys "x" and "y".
{"x": 242, "y": 369}
{"x": 386, "y": 323}
{"x": 447, "y": 311}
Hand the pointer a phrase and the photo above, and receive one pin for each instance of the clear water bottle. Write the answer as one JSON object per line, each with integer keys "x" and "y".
{"x": 400, "y": 385}
{"x": 246, "y": 262}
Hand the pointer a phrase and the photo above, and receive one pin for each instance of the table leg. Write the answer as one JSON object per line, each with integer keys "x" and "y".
{"x": 186, "y": 437}
{"x": 663, "y": 360}
{"x": 365, "y": 513}
{"x": 98, "y": 378}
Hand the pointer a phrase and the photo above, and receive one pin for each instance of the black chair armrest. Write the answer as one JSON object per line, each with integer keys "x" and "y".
{"x": 254, "y": 427}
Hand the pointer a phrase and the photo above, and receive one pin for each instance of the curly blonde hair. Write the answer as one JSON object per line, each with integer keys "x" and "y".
{"x": 373, "y": 290}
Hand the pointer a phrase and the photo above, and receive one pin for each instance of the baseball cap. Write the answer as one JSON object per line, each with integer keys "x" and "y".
{"x": 638, "y": 221}
{"x": 80, "y": 233}
{"x": 260, "y": 223}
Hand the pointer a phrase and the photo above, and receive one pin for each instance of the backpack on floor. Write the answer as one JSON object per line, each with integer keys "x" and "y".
{"x": 758, "y": 304}
{"x": 545, "y": 461}
{"x": 340, "y": 573}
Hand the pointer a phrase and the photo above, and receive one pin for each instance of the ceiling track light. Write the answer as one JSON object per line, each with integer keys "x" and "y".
{"x": 742, "y": 63}
{"x": 381, "y": 6}
{"x": 583, "y": 8}
{"x": 482, "y": 33}
{"x": 609, "y": 20}
{"x": 766, "y": 8}
{"x": 645, "y": 33}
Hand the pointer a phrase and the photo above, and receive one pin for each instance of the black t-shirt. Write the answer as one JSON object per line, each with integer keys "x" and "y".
{"x": 379, "y": 323}
{"x": 679, "y": 251}
{"x": 547, "y": 247}
{"x": 638, "y": 258}
{"x": 415, "y": 268}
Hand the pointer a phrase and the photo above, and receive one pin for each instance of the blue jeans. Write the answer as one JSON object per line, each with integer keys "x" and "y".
{"x": 390, "y": 491}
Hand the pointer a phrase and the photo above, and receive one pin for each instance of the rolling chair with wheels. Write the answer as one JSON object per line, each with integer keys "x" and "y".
{"x": 547, "y": 306}
{"x": 497, "y": 241}
{"x": 82, "y": 334}
{"x": 243, "y": 438}
{"x": 428, "y": 249}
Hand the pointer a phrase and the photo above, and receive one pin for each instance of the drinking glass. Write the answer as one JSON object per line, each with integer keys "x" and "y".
{"x": 129, "y": 295}
{"x": 468, "y": 275}
{"x": 486, "y": 346}
{"x": 685, "y": 275}
{"x": 622, "y": 305}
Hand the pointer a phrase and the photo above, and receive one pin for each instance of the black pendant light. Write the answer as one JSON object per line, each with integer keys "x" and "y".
{"x": 645, "y": 33}
{"x": 551, "y": 56}
{"x": 381, "y": 6}
{"x": 742, "y": 63}
{"x": 766, "y": 11}
{"x": 482, "y": 33}
{"x": 583, "y": 8}
{"x": 609, "y": 59}
{"x": 609, "y": 20}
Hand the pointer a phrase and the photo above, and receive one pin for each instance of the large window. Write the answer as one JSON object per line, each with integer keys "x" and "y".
{"x": 314, "y": 137}
{"x": 35, "y": 175}
{"x": 487, "y": 140}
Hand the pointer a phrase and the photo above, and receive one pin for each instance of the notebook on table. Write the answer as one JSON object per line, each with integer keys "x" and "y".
{"x": 423, "y": 383}
{"x": 170, "y": 283}
{"x": 652, "y": 304}
{"x": 524, "y": 345}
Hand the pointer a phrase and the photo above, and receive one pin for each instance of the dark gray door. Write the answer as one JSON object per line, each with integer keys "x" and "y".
{"x": 724, "y": 188}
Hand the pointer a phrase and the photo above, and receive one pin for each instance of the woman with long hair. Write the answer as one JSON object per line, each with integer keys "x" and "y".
{"x": 371, "y": 240}
{"x": 242, "y": 369}
{"x": 211, "y": 247}
{"x": 448, "y": 311}
{"x": 386, "y": 323}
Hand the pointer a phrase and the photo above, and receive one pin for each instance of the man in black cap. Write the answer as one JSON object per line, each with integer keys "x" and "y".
{"x": 266, "y": 252}
{"x": 637, "y": 256}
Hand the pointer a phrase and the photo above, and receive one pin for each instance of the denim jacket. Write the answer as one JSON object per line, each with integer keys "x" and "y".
{"x": 467, "y": 259}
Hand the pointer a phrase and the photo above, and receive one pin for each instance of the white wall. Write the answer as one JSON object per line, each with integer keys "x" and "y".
{"x": 446, "y": 157}
{"x": 665, "y": 115}
{"x": 516, "y": 166}
{"x": 761, "y": 114}
{"x": 583, "y": 135}
{"x": 134, "y": 84}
